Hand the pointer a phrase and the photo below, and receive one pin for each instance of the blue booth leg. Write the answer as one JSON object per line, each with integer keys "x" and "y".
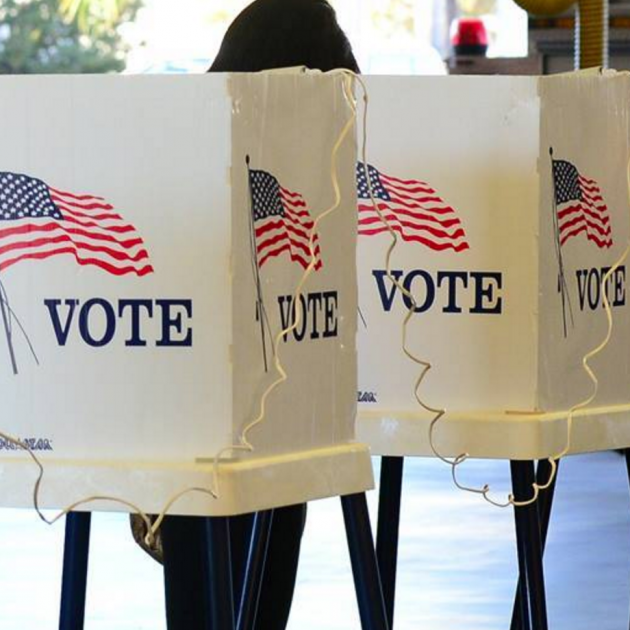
{"x": 367, "y": 580}
{"x": 75, "y": 567}
{"x": 388, "y": 527}
{"x": 545, "y": 502}
{"x": 529, "y": 545}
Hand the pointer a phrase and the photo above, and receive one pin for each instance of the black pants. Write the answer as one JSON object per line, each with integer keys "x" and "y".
{"x": 184, "y": 537}
{"x": 281, "y": 567}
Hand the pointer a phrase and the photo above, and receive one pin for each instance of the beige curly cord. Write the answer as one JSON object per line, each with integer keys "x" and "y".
{"x": 244, "y": 442}
{"x": 598, "y": 349}
{"x": 427, "y": 366}
{"x": 582, "y": 404}
{"x": 587, "y": 368}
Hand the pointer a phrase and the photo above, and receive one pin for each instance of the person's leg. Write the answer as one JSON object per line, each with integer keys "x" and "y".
{"x": 240, "y": 534}
{"x": 281, "y": 566}
{"x": 185, "y": 575}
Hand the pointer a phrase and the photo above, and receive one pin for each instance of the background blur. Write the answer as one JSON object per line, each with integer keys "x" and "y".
{"x": 389, "y": 36}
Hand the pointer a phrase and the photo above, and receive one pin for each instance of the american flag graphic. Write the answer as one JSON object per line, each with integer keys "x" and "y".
{"x": 282, "y": 222}
{"x": 580, "y": 206}
{"x": 38, "y": 221}
{"x": 412, "y": 208}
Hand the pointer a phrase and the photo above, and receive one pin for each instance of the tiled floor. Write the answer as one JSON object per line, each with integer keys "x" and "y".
{"x": 457, "y": 559}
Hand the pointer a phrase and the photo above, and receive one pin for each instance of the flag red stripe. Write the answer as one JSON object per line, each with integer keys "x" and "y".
{"x": 117, "y": 271}
{"x": 84, "y": 215}
{"x": 64, "y": 238}
{"x": 306, "y": 226}
{"x": 413, "y": 202}
{"x": 458, "y": 233}
{"x": 303, "y": 218}
{"x": 270, "y": 242}
{"x": 50, "y": 227}
{"x": 596, "y": 202}
{"x": 288, "y": 205}
{"x": 294, "y": 257}
{"x": 297, "y": 202}
{"x": 419, "y": 194}
{"x": 590, "y": 216}
{"x": 604, "y": 244}
{"x": 119, "y": 229}
{"x": 285, "y": 246}
{"x": 592, "y": 193}
{"x": 573, "y": 210}
{"x": 409, "y": 184}
{"x": 384, "y": 207}
{"x": 601, "y": 243}
{"x": 73, "y": 196}
{"x": 291, "y": 194}
{"x": 568, "y": 225}
{"x": 458, "y": 247}
{"x": 289, "y": 233}
{"x": 591, "y": 189}
{"x": 82, "y": 206}
{"x": 416, "y": 212}
{"x": 420, "y": 203}
{"x": 587, "y": 182}
{"x": 571, "y": 234}
{"x": 296, "y": 217}
{"x": 279, "y": 224}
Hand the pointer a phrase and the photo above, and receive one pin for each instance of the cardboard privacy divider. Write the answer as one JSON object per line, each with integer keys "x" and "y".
{"x": 510, "y": 198}
{"x": 152, "y": 233}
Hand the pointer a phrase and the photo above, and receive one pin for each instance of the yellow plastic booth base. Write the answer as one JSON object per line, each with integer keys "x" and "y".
{"x": 498, "y": 435}
{"x": 244, "y": 486}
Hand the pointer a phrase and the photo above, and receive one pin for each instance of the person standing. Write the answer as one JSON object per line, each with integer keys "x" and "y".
{"x": 268, "y": 34}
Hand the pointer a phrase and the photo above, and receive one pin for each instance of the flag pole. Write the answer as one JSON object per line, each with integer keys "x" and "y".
{"x": 7, "y": 328}
{"x": 361, "y": 316}
{"x": 562, "y": 284}
{"x": 260, "y": 308}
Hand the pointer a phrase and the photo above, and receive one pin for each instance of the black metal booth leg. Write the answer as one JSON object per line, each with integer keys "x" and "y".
{"x": 529, "y": 544}
{"x": 367, "y": 581}
{"x": 388, "y": 529}
{"x": 544, "y": 503}
{"x": 520, "y": 613}
{"x": 627, "y": 454}
{"x": 75, "y": 567}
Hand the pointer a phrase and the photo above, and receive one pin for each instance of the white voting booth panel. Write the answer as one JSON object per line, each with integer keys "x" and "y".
{"x": 510, "y": 199}
{"x": 152, "y": 233}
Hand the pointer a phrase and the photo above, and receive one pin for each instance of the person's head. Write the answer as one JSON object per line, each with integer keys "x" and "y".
{"x": 283, "y": 33}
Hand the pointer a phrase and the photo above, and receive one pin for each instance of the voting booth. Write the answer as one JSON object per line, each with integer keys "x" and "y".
{"x": 509, "y": 196}
{"x": 153, "y": 231}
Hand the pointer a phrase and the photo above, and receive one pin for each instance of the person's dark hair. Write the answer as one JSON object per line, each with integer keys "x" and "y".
{"x": 283, "y": 33}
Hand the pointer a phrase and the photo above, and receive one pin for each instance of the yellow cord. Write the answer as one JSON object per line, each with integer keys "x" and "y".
{"x": 244, "y": 441}
{"x": 426, "y": 366}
